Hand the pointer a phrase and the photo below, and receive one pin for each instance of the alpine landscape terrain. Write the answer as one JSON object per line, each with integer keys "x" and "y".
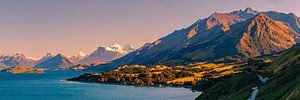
{"x": 85, "y": 50}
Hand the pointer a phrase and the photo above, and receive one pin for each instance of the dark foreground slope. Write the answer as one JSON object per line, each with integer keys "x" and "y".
{"x": 285, "y": 84}
{"x": 283, "y": 81}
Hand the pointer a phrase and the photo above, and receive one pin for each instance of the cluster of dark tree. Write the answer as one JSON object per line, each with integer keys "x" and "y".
{"x": 138, "y": 75}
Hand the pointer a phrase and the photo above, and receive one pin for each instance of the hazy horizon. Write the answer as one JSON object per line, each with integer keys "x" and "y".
{"x": 35, "y": 27}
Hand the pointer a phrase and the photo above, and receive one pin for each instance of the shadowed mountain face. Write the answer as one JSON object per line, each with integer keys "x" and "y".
{"x": 46, "y": 57}
{"x": 16, "y": 60}
{"x": 238, "y": 33}
{"x": 57, "y": 62}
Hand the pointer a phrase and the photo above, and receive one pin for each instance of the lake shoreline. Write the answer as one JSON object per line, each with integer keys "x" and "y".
{"x": 163, "y": 86}
{"x": 52, "y": 85}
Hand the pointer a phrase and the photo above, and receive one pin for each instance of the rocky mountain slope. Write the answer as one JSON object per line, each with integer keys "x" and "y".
{"x": 257, "y": 36}
{"x": 289, "y": 19}
{"x": 264, "y": 36}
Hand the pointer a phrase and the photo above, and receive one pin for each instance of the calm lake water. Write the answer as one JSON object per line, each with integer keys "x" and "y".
{"x": 50, "y": 86}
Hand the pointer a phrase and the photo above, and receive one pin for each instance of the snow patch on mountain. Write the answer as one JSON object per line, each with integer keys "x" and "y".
{"x": 123, "y": 49}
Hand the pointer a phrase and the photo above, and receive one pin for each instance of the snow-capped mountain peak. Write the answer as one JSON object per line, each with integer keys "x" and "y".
{"x": 107, "y": 54}
{"x": 33, "y": 58}
{"x": 123, "y": 49}
{"x": 81, "y": 54}
{"x": 77, "y": 57}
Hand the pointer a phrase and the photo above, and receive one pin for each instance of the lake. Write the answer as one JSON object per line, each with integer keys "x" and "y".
{"x": 51, "y": 86}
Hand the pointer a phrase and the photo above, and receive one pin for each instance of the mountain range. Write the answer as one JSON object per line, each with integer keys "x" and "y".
{"x": 17, "y": 59}
{"x": 60, "y": 61}
{"x": 242, "y": 33}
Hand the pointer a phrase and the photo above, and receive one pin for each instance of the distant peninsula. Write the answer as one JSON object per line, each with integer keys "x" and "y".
{"x": 21, "y": 69}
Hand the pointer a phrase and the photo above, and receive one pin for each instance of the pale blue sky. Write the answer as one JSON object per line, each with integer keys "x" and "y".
{"x": 34, "y": 27}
